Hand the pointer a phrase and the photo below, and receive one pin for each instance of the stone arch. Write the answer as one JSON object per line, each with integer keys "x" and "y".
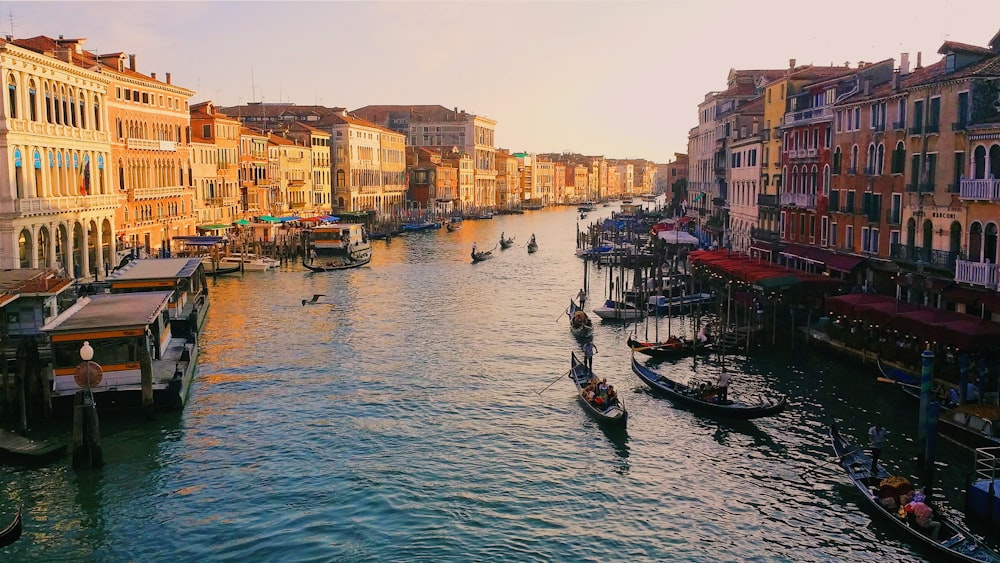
{"x": 25, "y": 248}
{"x": 42, "y": 248}
{"x": 975, "y": 253}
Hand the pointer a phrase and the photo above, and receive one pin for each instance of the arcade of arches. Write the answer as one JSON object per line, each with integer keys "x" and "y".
{"x": 77, "y": 247}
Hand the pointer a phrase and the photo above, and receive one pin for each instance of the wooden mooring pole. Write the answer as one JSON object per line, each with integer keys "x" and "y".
{"x": 86, "y": 443}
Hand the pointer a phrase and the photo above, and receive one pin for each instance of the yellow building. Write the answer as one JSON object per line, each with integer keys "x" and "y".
{"x": 215, "y": 140}
{"x": 369, "y": 164}
{"x": 58, "y": 201}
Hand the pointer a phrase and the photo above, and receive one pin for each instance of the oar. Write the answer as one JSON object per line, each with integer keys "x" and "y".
{"x": 887, "y": 380}
{"x": 556, "y": 379}
{"x": 836, "y": 459}
{"x": 563, "y": 314}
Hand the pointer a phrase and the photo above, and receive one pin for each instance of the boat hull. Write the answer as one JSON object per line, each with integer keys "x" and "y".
{"x": 683, "y": 395}
{"x": 333, "y": 267}
{"x": 615, "y": 415}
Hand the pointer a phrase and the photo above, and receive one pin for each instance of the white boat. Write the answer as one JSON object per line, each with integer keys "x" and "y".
{"x": 250, "y": 262}
{"x": 343, "y": 244}
{"x": 617, "y": 311}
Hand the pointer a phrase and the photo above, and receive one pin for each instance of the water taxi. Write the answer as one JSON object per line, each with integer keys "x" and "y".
{"x": 143, "y": 363}
{"x": 337, "y": 247}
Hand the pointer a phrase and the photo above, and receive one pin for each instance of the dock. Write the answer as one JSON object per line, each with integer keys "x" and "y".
{"x": 17, "y": 449}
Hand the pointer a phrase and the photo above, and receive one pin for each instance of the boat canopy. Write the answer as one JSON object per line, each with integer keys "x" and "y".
{"x": 212, "y": 227}
{"x": 192, "y": 240}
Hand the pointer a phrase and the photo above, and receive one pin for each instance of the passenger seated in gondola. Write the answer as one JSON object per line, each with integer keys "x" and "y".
{"x": 612, "y": 395}
{"x": 922, "y": 516}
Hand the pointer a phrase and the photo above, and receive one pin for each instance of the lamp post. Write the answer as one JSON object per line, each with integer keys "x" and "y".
{"x": 86, "y": 443}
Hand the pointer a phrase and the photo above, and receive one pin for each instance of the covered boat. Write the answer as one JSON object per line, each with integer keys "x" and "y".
{"x": 884, "y": 494}
{"x": 338, "y": 247}
{"x": 619, "y": 311}
{"x": 704, "y": 399}
{"x": 673, "y": 347}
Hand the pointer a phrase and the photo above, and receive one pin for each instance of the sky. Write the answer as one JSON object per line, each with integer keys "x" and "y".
{"x": 620, "y": 79}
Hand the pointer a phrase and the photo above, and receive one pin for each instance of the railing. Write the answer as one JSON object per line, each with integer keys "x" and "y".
{"x": 811, "y": 153}
{"x": 150, "y": 145}
{"x": 39, "y": 205}
{"x": 939, "y": 259}
{"x": 764, "y": 235}
{"x": 977, "y": 273}
{"x": 808, "y": 115}
{"x": 807, "y": 201}
{"x": 52, "y": 130}
{"x": 869, "y": 170}
{"x": 917, "y": 129}
{"x": 899, "y": 125}
{"x": 216, "y": 201}
{"x": 980, "y": 189}
{"x": 765, "y": 135}
{"x": 879, "y": 127}
{"x": 767, "y": 200}
{"x": 852, "y": 170}
{"x": 959, "y": 126}
{"x": 154, "y": 193}
{"x": 932, "y": 128}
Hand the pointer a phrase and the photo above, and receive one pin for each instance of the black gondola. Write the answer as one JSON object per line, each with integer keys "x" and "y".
{"x": 579, "y": 323}
{"x": 671, "y": 348}
{"x": 12, "y": 532}
{"x": 698, "y": 399}
{"x": 223, "y": 271}
{"x": 953, "y": 541}
{"x": 335, "y": 264}
{"x": 480, "y": 256}
{"x": 506, "y": 243}
{"x": 614, "y": 414}
{"x": 532, "y": 247}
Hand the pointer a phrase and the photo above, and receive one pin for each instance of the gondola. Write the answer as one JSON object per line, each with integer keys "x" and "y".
{"x": 579, "y": 323}
{"x": 614, "y": 415}
{"x": 480, "y": 256}
{"x": 334, "y": 265}
{"x": 953, "y": 541}
{"x": 694, "y": 398}
{"x": 506, "y": 243}
{"x": 532, "y": 247}
{"x": 12, "y": 532}
{"x": 672, "y": 347}
{"x": 223, "y": 271}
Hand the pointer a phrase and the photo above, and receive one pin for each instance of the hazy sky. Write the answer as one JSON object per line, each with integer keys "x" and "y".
{"x": 621, "y": 79}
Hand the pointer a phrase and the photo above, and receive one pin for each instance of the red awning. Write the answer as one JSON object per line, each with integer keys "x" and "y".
{"x": 842, "y": 262}
{"x": 965, "y": 295}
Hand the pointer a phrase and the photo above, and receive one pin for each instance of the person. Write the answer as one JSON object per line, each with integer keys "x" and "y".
{"x": 876, "y": 438}
{"x": 972, "y": 392}
{"x": 532, "y": 238}
{"x": 502, "y": 237}
{"x": 612, "y": 395}
{"x": 589, "y": 349}
{"x": 723, "y": 385}
{"x": 581, "y": 297}
{"x": 312, "y": 254}
{"x": 474, "y": 250}
{"x": 923, "y": 515}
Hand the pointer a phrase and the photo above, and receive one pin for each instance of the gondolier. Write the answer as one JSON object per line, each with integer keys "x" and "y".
{"x": 723, "y": 385}
{"x": 589, "y": 349}
{"x": 876, "y": 438}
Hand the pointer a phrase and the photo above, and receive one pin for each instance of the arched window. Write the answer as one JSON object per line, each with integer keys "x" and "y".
{"x": 825, "y": 188}
{"x": 854, "y": 160}
{"x": 812, "y": 179}
{"x": 870, "y": 164}
{"x": 48, "y": 104}
{"x": 71, "y": 98}
{"x": 83, "y": 111}
{"x": 879, "y": 159}
{"x": 97, "y": 113}
{"x": 12, "y": 96}
{"x": 838, "y": 157}
{"x": 32, "y": 101}
{"x": 990, "y": 244}
{"x": 18, "y": 173}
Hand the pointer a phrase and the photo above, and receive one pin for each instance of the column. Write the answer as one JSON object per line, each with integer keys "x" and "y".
{"x": 53, "y": 233}
{"x": 33, "y": 247}
{"x": 84, "y": 250}
{"x": 99, "y": 251}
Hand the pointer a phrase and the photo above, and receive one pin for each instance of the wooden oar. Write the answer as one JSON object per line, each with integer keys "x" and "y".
{"x": 887, "y": 380}
{"x": 556, "y": 379}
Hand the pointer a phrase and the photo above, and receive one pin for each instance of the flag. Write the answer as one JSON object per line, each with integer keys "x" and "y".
{"x": 84, "y": 176}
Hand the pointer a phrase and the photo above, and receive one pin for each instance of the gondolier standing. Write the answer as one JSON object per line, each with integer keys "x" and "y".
{"x": 876, "y": 437}
{"x": 589, "y": 349}
{"x": 723, "y": 385}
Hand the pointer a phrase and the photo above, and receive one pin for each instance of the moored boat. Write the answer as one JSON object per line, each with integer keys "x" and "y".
{"x": 618, "y": 311}
{"x": 613, "y": 413}
{"x": 185, "y": 277}
{"x": 880, "y": 489}
{"x": 143, "y": 362}
{"x": 673, "y": 347}
{"x": 421, "y": 225}
{"x": 249, "y": 262}
{"x": 454, "y": 224}
{"x": 660, "y": 304}
{"x": 704, "y": 399}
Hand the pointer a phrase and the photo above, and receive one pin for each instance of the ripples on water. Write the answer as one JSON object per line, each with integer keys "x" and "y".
{"x": 403, "y": 423}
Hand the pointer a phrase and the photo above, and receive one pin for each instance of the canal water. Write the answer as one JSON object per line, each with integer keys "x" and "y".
{"x": 404, "y": 419}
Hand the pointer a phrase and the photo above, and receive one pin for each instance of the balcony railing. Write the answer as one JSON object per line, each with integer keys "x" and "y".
{"x": 869, "y": 170}
{"x": 917, "y": 129}
{"x": 980, "y": 189}
{"x": 44, "y": 205}
{"x": 808, "y": 115}
{"x": 764, "y": 235}
{"x": 899, "y": 125}
{"x": 806, "y": 201}
{"x": 765, "y": 135}
{"x": 767, "y": 200}
{"x": 959, "y": 126}
{"x": 938, "y": 259}
{"x": 879, "y": 127}
{"x": 933, "y": 128}
{"x": 977, "y": 273}
{"x": 852, "y": 170}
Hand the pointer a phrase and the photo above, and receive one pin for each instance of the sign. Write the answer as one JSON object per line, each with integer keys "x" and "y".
{"x": 88, "y": 375}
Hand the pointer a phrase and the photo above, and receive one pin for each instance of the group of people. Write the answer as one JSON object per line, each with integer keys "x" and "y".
{"x": 599, "y": 393}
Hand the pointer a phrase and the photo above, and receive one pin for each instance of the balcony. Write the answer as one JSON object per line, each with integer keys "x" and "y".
{"x": 811, "y": 153}
{"x": 852, "y": 170}
{"x": 869, "y": 171}
{"x": 894, "y": 216}
{"x": 765, "y": 135}
{"x": 959, "y": 126}
{"x": 804, "y": 201}
{"x": 767, "y": 200}
{"x": 149, "y": 145}
{"x": 808, "y": 116}
{"x": 765, "y": 235}
{"x": 917, "y": 129}
{"x": 47, "y": 205}
{"x": 977, "y": 273}
{"x": 933, "y": 128}
{"x": 937, "y": 259}
{"x": 879, "y": 127}
{"x": 979, "y": 189}
{"x": 899, "y": 125}
{"x": 158, "y": 193}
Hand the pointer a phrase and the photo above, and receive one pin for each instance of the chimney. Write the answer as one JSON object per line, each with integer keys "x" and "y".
{"x": 847, "y": 64}
{"x": 904, "y": 64}
{"x": 868, "y": 86}
{"x": 131, "y": 62}
{"x": 168, "y": 78}
{"x": 895, "y": 80}
{"x": 918, "y": 61}
{"x": 152, "y": 75}
{"x": 791, "y": 63}
{"x": 861, "y": 64}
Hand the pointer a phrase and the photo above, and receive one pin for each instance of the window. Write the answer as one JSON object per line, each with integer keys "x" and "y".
{"x": 833, "y": 235}
{"x": 837, "y": 157}
{"x": 864, "y": 239}
{"x": 829, "y": 137}
{"x": 901, "y": 114}
{"x": 849, "y": 201}
{"x": 898, "y": 159}
{"x": 918, "y": 116}
{"x": 12, "y": 96}
{"x": 824, "y": 230}
{"x": 32, "y": 102}
{"x": 840, "y": 120}
{"x": 934, "y": 112}
{"x": 879, "y": 159}
{"x": 963, "y": 109}
{"x": 854, "y": 160}
{"x": 959, "y": 171}
{"x": 849, "y": 238}
{"x": 857, "y": 118}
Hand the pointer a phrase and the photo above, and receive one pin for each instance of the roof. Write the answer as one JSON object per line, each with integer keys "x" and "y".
{"x": 157, "y": 268}
{"x": 418, "y": 113}
{"x": 955, "y": 46}
{"x": 109, "y": 311}
{"x": 345, "y": 118}
{"x": 35, "y": 281}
